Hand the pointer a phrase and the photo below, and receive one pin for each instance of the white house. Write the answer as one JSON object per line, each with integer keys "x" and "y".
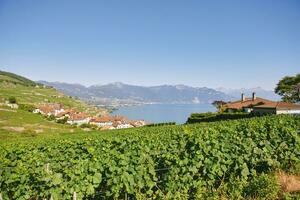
{"x": 245, "y": 104}
{"x": 125, "y": 125}
{"x": 49, "y": 109}
{"x": 277, "y": 108}
{"x": 78, "y": 118}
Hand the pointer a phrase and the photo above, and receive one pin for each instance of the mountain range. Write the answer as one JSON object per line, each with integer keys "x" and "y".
{"x": 120, "y": 94}
{"x": 236, "y": 93}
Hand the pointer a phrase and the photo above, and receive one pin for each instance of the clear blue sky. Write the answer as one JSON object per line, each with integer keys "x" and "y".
{"x": 150, "y": 42}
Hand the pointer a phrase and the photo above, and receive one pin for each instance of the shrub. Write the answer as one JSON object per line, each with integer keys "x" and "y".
{"x": 51, "y": 117}
{"x": 161, "y": 124}
{"x": 213, "y": 117}
{"x": 12, "y": 100}
{"x": 26, "y": 107}
{"x": 88, "y": 126}
{"x": 263, "y": 187}
{"x": 62, "y": 121}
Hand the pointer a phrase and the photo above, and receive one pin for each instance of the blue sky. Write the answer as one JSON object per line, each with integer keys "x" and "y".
{"x": 231, "y": 44}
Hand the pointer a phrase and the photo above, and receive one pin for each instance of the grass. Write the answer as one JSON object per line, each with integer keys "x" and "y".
{"x": 14, "y": 78}
{"x": 18, "y": 123}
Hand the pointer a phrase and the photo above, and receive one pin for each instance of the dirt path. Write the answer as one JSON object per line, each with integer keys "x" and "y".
{"x": 8, "y": 110}
{"x": 13, "y": 128}
{"x": 289, "y": 183}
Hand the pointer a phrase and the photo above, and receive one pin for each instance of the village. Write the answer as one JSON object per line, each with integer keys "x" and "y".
{"x": 74, "y": 117}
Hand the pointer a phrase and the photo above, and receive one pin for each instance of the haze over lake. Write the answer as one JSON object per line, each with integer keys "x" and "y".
{"x": 157, "y": 113}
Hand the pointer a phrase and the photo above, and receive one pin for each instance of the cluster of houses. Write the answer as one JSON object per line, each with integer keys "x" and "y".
{"x": 259, "y": 105}
{"x": 74, "y": 117}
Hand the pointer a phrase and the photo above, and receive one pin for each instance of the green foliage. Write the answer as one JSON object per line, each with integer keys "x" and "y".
{"x": 213, "y": 117}
{"x": 263, "y": 187}
{"x": 12, "y": 100}
{"x": 219, "y": 105}
{"x": 226, "y": 160}
{"x": 289, "y": 88}
{"x": 62, "y": 120}
{"x": 85, "y": 125}
{"x": 27, "y": 107}
{"x": 51, "y": 118}
{"x": 16, "y": 79}
{"x": 161, "y": 124}
{"x": 289, "y": 196}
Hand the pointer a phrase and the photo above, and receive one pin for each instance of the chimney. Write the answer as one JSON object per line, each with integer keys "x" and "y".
{"x": 253, "y": 96}
{"x": 242, "y": 97}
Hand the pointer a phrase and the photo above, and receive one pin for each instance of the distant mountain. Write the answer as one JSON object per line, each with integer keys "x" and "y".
{"x": 236, "y": 93}
{"x": 69, "y": 88}
{"x": 120, "y": 94}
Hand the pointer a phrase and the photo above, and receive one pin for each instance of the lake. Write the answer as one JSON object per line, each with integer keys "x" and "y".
{"x": 157, "y": 113}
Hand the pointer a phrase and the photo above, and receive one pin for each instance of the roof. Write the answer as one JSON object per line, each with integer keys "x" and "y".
{"x": 248, "y": 102}
{"x": 114, "y": 119}
{"x": 49, "y": 108}
{"x": 102, "y": 119}
{"x": 119, "y": 118}
{"x": 66, "y": 112}
{"x": 78, "y": 116}
{"x": 61, "y": 114}
{"x": 280, "y": 106}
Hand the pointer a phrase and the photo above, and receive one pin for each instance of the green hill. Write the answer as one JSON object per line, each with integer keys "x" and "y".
{"x": 14, "y": 78}
{"x": 16, "y": 124}
{"x": 27, "y": 92}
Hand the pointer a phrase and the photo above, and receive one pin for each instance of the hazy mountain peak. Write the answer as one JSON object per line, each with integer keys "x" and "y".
{"x": 236, "y": 93}
{"x": 181, "y": 87}
{"x": 127, "y": 94}
{"x": 117, "y": 84}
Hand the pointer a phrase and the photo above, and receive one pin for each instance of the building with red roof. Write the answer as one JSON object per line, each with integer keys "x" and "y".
{"x": 261, "y": 106}
{"x": 277, "y": 108}
{"x": 102, "y": 121}
{"x": 245, "y": 104}
{"x": 78, "y": 118}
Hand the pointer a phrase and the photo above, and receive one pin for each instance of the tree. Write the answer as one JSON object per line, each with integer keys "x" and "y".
{"x": 289, "y": 88}
{"x": 12, "y": 100}
{"x": 62, "y": 120}
{"x": 219, "y": 105}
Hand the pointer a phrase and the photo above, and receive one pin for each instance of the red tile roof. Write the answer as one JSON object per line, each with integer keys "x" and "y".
{"x": 102, "y": 119}
{"x": 248, "y": 102}
{"x": 49, "y": 108}
{"x": 78, "y": 116}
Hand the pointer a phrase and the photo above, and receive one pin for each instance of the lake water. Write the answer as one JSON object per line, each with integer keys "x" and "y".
{"x": 157, "y": 113}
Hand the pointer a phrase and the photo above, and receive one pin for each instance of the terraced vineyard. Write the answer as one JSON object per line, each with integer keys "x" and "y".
{"x": 225, "y": 160}
{"x": 15, "y": 123}
{"x": 29, "y": 92}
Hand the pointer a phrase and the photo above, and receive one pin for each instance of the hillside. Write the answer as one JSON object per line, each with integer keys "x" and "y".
{"x": 28, "y": 92}
{"x": 16, "y": 79}
{"x": 16, "y": 124}
{"x": 119, "y": 93}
